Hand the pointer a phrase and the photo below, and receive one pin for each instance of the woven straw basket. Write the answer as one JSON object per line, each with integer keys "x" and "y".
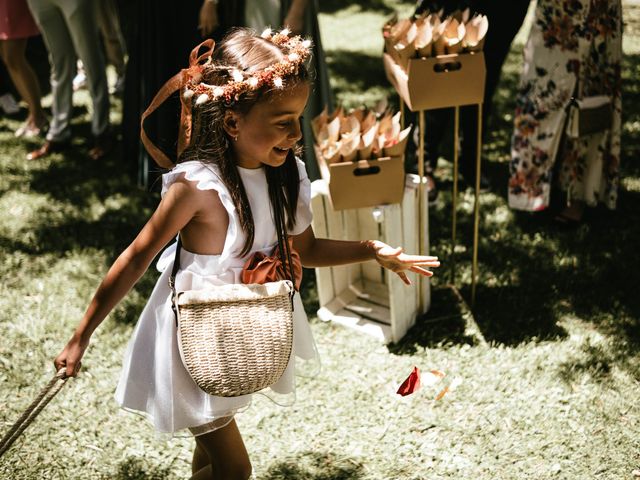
{"x": 236, "y": 339}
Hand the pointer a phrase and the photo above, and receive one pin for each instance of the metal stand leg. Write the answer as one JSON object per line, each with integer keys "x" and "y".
{"x": 476, "y": 211}
{"x": 454, "y": 195}
{"x": 421, "y": 212}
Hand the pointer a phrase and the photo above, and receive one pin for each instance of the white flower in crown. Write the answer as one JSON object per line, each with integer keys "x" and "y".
{"x": 277, "y": 82}
{"x": 306, "y": 43}
{"x": 218, "y": 92}
{"x": 293, "y": 57}
{"x": 253, "y": 82}
{"x": 286, "y": 32}
{"x": 188, "y": 94}
{"x": 202, "y": 98}
{"x": 266, "y": 33}
{"x": 237, "y": 76}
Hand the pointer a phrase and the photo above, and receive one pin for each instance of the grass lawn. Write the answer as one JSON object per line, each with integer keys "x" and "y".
{"x": 552, "y": 394}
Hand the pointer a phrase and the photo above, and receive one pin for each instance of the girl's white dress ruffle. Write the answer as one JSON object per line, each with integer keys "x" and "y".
{"x": 154, "y": 381}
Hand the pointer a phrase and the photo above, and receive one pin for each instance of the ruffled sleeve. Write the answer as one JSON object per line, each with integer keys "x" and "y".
{"x": 303, "y": 209}
{"x": 206, "y": 177}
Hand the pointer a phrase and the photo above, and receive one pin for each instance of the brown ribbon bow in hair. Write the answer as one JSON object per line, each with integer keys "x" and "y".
{"x": 175, "y": 83}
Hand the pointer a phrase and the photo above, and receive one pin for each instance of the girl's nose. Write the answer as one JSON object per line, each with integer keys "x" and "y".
{"x": 296, "y": 131}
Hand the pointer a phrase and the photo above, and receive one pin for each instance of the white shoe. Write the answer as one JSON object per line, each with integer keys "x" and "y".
{"x": 9, "y": 104}
{"x": 79, "y": 81}
{"x": 30, "y": 130}
{"x": 118, "y": 87}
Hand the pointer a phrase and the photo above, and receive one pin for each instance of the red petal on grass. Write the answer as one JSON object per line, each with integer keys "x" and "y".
{"x": 411, "y": 384}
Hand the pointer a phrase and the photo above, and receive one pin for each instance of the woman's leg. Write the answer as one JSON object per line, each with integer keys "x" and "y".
{"x": 226, "y": 451}
{"x": 24, "y": 78}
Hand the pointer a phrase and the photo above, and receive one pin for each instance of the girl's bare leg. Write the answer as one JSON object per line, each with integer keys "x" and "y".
{"x": 226, "y": 452}
{"x": 23, "y": 77}
{"x": 200, "y": 459}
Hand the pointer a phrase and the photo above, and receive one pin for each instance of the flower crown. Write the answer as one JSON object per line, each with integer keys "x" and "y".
{"x": 242, "y": 82}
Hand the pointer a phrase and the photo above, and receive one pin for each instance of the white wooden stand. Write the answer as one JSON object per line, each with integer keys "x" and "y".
{"x": 365, "y": 296}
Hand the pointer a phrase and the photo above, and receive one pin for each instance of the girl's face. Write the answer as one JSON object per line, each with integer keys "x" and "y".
{"x": 269, "y": 130}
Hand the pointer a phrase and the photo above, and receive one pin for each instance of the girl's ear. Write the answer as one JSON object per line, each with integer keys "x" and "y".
{"x": 230, "y": 123}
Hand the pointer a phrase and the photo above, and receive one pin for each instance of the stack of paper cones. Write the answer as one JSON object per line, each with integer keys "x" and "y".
{"x": 358, "y": 135}
{"x": 431, "y": 34}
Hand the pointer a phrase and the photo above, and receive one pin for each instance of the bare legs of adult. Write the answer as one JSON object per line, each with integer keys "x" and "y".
{"x": 221, "y": 454}
{"x": 26, "y": 82}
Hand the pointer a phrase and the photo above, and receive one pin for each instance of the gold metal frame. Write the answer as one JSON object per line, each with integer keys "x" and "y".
{"x": 454, "y": 199}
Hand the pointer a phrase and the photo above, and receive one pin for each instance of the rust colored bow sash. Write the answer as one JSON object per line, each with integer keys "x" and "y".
{"x": 175, "y": 83}
{"x": 261, "y": 268}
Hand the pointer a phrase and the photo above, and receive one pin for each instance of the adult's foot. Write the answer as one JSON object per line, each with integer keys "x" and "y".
{"x": 102, "y": 145}
{"x": 432, "y": 190}
{"x": 49, "y": 147}
{"x": 31, "y": 128}
{"x": 571, "y": 215}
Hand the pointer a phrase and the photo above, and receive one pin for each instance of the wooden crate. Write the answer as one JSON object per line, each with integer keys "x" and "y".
{"x": 365, "y": 296}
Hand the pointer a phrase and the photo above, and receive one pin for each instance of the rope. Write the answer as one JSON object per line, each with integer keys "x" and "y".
{"x": 32, "y": 411}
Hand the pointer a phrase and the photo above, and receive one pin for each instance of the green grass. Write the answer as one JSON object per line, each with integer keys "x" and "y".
{"x": 552, "y": 395}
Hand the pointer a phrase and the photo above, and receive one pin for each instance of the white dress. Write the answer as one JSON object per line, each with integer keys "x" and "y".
{"x": 154, "y": 381}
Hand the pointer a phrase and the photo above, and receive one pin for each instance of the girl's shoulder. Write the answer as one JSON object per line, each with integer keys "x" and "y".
{"x": 205, "y": 176}
{"x": 302, "y": 169}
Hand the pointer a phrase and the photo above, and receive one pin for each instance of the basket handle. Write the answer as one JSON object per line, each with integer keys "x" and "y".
{"x": 44, "y": 397}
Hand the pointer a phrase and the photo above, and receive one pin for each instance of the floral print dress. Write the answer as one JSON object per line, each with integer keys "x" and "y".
{"x": 574, "y": 49}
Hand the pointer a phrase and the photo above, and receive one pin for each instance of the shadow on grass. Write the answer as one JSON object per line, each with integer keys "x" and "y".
{"x": 315, "y": 466}
{"x": 532, "y": 272}
{"x": 133, "y": 468}
{"x": 442, "y": 325}
{"x": 356, "y": 74}
{"x": 334, "y": 6}
{"x": 594, "y": 361}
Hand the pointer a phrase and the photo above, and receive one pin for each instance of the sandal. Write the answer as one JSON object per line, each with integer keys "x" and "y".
{"x": 102, "y": 146}
{"x": 31, "y": 129}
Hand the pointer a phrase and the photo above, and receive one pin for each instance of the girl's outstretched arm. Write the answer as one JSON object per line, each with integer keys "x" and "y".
{"x": 323, "y": 252}
{"x": 178, "y": 206}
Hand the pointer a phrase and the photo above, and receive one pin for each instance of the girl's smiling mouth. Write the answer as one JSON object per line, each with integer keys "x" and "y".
{"x": 281, "y": 151}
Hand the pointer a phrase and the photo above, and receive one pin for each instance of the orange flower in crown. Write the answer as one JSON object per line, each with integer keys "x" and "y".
{"x": 242, "y": 82}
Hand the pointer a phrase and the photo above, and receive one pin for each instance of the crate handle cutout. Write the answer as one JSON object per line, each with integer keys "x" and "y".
{"x": 447, "y": 67}
{"x": 371, "y": 170}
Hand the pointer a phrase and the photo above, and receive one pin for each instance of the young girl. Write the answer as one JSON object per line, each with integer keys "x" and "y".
{"x": 245, "y": 104}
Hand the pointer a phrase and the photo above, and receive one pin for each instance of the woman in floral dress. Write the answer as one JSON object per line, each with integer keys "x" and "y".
{"x": 574, "y": 49}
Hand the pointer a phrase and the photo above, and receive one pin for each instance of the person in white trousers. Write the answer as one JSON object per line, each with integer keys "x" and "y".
{"x": 69, "y": 31}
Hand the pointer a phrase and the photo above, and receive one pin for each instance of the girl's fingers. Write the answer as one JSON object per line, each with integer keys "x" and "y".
{"x": 421, "y": 271}
{"x": 423, "y": 264}
{"x": 404, "y": 278}
{"x": 417, "y": 258}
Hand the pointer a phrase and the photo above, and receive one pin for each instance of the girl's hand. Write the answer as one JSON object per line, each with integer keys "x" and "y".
{"x": 70, "y": 356}
{"x": 399, "y": 262}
